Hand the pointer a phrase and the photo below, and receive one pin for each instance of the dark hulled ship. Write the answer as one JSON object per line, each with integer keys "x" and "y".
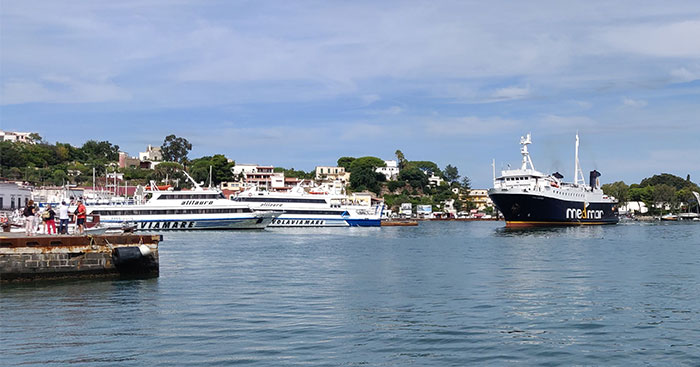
{"x": 527, "y": 197}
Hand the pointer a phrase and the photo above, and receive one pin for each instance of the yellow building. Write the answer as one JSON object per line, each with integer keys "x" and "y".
{"x": 328, "y": 174}
{"x": 480, "y": 197}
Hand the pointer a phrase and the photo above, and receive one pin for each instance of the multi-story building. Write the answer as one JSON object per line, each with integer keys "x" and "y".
{"x": 125, "y": 161}
{"x": 391, "y": 171}
{"x": 331, "y": 173}
{"x": 151, "y": 154}
{"x": 480, "y": 198}
{"x": 16, "y": 136}
{"x": 13, "y": 196}
{"x": 248, "y": 175}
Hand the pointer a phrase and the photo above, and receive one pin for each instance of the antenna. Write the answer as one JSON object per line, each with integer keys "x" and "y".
{"x": 210, "y": 177}
{"x": 493, "y": 166}
{"x": 524, "y": 141}
{"x": 578, "y": 173}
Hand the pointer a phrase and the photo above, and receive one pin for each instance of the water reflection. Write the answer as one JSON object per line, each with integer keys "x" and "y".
{"x": 578, "y": 232}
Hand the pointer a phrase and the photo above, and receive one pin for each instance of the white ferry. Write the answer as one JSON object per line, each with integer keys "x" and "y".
{"x": 186, "y": 210}
{"x": 302, "y": 209}
{"x": 528, "y": 197}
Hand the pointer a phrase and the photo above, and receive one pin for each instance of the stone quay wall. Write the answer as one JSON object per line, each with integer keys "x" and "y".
{"x": 56, "y": 257}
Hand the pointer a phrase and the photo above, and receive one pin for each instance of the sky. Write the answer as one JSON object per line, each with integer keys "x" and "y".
{"x": 301, "y": 83}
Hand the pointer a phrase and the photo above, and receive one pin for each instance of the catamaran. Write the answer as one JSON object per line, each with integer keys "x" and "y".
{"x": 199, "y": 208}
{"x": 319, "y": 209}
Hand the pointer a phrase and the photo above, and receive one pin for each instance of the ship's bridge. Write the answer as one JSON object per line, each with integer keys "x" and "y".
{"x": 521, "y": 178}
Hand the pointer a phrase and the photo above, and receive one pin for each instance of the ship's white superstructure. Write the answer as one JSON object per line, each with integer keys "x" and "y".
{"x": 192, "y": 209}
{"x": 312, "y": 209}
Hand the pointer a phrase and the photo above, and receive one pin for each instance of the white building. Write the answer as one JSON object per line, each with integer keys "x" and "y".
{"x": 632, "y": 207}
{"x": 391, "y": 171}
{"x": 239, "y": 169}
{"x": 329, "y": 174}
{"x": 13, "y": 196}
{"x": 435, "y": 180}
{"x": 15, "y": 136}
{"x": 151, "y": 154}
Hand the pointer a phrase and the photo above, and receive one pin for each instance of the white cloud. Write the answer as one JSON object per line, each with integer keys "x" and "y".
{"x": 512, "y": 92}
{"x": 672, "y": 39}
{"x": 684, "y": 75}
{"x": 636, "y": 103}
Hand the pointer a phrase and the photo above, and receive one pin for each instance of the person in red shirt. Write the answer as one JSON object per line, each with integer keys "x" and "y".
{"x": 81, "y": 214}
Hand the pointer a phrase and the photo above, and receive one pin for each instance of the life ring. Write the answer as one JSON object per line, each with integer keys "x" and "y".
{"x": 250, "y": 194}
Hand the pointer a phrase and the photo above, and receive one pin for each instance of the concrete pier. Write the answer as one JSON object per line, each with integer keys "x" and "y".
{"x": 27, "y": 258}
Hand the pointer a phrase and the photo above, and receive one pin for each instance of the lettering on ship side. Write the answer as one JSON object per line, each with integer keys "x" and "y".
{"x": 166, "y": 225}
{"x": 583, "y": 214}
{"x": 197, "y": 202}
{"x": 299, "y": 222}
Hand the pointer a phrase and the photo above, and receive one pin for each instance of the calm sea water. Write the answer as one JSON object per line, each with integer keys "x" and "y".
{"x": 438, "y": 294}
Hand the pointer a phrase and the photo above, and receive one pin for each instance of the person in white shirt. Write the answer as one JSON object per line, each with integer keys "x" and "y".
{"x": 63, "y": 217}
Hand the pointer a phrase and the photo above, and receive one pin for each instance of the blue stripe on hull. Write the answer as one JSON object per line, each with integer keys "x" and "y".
{"x": 324, "y": 222}
{"x": 180, "y": 224}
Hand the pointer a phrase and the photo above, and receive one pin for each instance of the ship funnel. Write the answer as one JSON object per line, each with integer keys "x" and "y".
{"x": 594, "y": 179}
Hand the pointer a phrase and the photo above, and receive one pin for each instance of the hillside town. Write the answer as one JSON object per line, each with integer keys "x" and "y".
{"x": 100, "y": 172}
{"x": 406, "y": 189}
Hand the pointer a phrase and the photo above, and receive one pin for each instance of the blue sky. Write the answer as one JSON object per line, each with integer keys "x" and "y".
{"x": 301, "y": 83}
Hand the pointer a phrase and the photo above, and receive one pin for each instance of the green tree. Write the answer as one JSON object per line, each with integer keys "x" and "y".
{"x": 667, "y": 179}
{"x": 366, "y": 162}
{"x": 366, "y": 178}
{"x": 221, "y": 169}
{"x": 401, "y": 159}
{"x": 175, "y": 149}
{"x": 619, "y": 190}
{"x": 103, "y": 151}
{"x": 395, "y": 185}
{"x": 170, "y": 171}
{"x": 426, "y": 166}
{"x": 466, "y": 184}
{"x": 59, "y": 177}
{"x": 664, "y": 195}
{"x": 451, "y": 174}
{"x": 345, "y": 162}
{"x": 643, "y": 194}
{"x": 414, "y": 176}
{"x": 295, "y": 173}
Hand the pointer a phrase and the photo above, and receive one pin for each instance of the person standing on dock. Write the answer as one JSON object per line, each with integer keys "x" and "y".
{"x": 28, "y": 213}
{"x": 49, "y": 218}
{"x": 63, "y": 218}
{"x": 81, "y": 214}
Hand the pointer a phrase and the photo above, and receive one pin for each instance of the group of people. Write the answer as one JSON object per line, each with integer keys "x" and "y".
{"x": 33, "y": 215}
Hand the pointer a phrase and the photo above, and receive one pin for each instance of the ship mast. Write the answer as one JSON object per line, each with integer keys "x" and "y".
{"x": 524, "y": 141}
{"x": 578, "y": 173}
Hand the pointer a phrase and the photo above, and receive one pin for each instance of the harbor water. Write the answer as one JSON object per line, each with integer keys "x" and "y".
{"x": 441, "y": 294}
